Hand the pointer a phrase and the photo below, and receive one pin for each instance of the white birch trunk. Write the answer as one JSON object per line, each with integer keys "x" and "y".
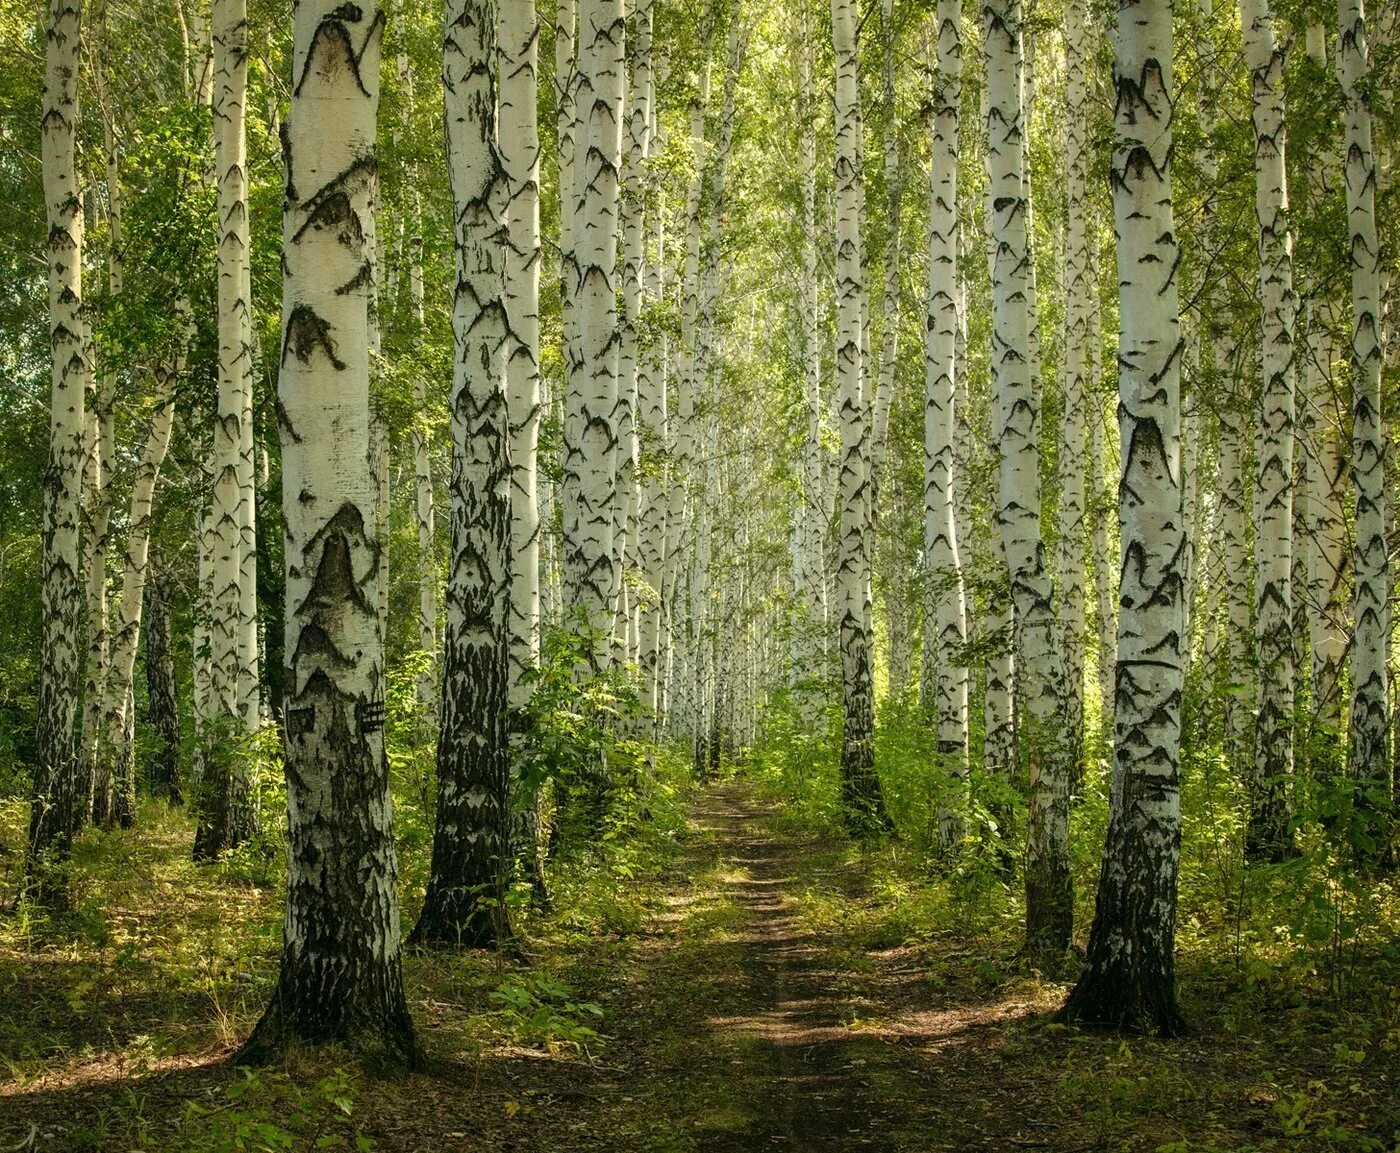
{"x": 520, "y": 157}
{"x": 811, "y": 562}
{"x": 684, "y": 451}
{"x": 341, "y": 974}
{"x": 590, "y": 424}
{"x": 630, "y": 352}
{"x": 1321, "y": 602}
{"x": 654, "y": 531}
{"x": 1049, "y": 895}
{"x": 1130, "y": 979}
{"x": 94, "y": 788}
{"x": 945, "y": 672}
{"x": 118, "y": 713}
{"x": 1370, "y": 605}
{"x": 225, "y": 818}
{"x": 1076, "y": 384}
{"x": 471, "y": 865}
{"x": 860, "y": 786}
{"x": 1273, "y": 744}
{"x": 55, "y": 811}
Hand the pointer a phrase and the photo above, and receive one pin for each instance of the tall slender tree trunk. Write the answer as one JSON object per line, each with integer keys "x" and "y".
{"x": 1220, "y": 356}
{"x": 341, "y": 973}
{"x": 161, "y": 686}
{"x": 630, "y": 352}
{"x": 1049, "y": 894}
{"x": 465, "y": 903}
{"x": 117, "y": 697}
{"x": 226, "y": 804}
{"x": 1130, "y": 980}
{"x": 54, "y": 814}
{"x": 94, "y": 789}
{"x": 860, "y": 784}
{"x": 1323, "y": 603}
{"x": 590, "y": 424}
{"x": 520, "y": 159}
{"x": 1076, "y": 384}
{"x": 945, "y": 670}
{"x": 1370, "y": 604}
{"x": 813, "y": 627}
{"x": 684, "y": 455}
{"x": 1267, "y": 836}
{"x": 653, "y": 418}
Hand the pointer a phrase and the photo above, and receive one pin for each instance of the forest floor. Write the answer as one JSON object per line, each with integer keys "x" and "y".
{"x": 749, "y": 991}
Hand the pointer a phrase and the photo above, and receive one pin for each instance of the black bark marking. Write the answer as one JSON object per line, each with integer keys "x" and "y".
{"x": 306, "y": 331}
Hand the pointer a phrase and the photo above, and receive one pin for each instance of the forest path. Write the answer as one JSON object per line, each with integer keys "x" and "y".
{"x": 774, "y": 1029}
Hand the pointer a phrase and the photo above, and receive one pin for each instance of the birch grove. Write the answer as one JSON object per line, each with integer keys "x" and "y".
{"x": 897, "y": 498}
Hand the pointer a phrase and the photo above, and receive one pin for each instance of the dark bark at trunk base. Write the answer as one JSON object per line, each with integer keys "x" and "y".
{"x": 1049, "y": 909}
{"x": 322, "y": 1000}
{"x": 1138, "y": 999}
{"x": 1268, "y": 839}
{"x": 862, "y": 798}
{"x": 227, "y": 818}
{"x": 161, "y": 690}
{"x": 465, "y": 905}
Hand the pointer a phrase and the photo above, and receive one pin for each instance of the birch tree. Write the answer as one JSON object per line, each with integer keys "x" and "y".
{"x": 1130, "y": 979}
{"x": 653, "y": 416}
{"x": 633, "y": 225}
{"x": 118, "y": 708}
{"x": 519, "y": 147}
{"x": 590, "y": 426}
{"x": 945, "y": 671}
{"x": 1273, "y": 744}
{"x": 226, "y": 813}
{"x": 465, "y": 903}
{"x": 92, "y": 785}
{"x": 55, "y": 809}
{"x": 1370, "y": 605}
{"x": 812, "y": 517}
{"x": 684, "y": 443}
{"x": 1049, "y": 895}
{"x": 340, "y": 976}
{"x": 860, "y": 786}
{"x": 1323, "y": 600}
{"x": 1078, "y": 290}
{"x": 423, "y": 499}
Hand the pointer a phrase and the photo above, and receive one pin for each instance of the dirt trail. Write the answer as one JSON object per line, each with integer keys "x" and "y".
{"x": 817, "y": 1094}
{"x": 846, "y": 1048}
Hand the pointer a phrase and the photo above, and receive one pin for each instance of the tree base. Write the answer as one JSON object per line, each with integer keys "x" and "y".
{"x": 1049, "y": 910}
{"x": 1112, "y": 1002}
{"x": 462, "y": 920}
{"x": 382, "y": 1039}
